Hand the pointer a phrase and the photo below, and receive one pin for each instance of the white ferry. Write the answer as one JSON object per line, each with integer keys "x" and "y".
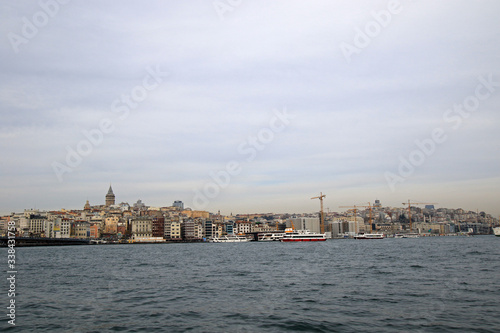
{"x": 302, "y": 236}
{"x": 229, "y": 239}
{"x": 411, "y": 235}
{"x": 270, "y": 237}
{"x": 496, "y": 231}
{"x": 369, "y": 236}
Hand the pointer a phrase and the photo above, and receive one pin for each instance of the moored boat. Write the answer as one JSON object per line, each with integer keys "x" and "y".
{"x": 302, "y": 236}
{"x": 229, "y": 239}
{"x": 369, "y": 236}
{"x": 270, "y": 237}
{"x": 496, "y": 231}
{"x": 410, "y": 235}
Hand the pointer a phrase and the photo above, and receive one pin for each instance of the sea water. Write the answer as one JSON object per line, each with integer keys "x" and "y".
{"x": 431, "y": 284}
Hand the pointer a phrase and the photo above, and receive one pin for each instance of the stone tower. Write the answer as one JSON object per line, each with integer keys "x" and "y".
{"x": 110, "y": 197}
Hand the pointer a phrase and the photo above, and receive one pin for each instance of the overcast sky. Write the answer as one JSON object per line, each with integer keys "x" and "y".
{"x": 250, "y": 106}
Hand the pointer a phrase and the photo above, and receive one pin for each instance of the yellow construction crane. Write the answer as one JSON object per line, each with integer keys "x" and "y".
{"x": 416, "y": 203}
{"x": 322, "y": 218}
{"x": 355, "y": 210}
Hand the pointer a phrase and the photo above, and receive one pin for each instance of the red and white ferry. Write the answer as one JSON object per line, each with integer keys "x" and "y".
{"x": 292, "y": 235}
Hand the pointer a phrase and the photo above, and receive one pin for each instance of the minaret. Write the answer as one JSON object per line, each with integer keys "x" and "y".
{"x": 110, "y": 197}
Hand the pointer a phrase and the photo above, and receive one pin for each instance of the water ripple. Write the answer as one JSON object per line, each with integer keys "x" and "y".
{"x": 435, "y": 284}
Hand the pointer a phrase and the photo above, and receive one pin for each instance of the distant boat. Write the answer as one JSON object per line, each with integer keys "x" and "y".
{"x": 302, "y": 236}
{"x": 412, "y": 235}
{"x": 496, "y": 231}
{"x": 270, "y": 237}
{"x": 228, "y": 239}
{"x": 369, "y": 236}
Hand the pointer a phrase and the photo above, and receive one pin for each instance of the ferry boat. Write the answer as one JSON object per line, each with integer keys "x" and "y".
{"x": 229, "y": 239}
{"x": 496, "y": 231}
{"x": 369, "y": 236}
{"x": 270, "y": 237}
{"x": 302, "y": 236}
{"x": 411, "y": 235}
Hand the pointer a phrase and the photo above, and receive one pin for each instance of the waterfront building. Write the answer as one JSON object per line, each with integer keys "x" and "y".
{"x": 336, "y": 229}
{"x": 80, "y": 229}
{"x": 158, "y": 226}
{"x": 243, "y": 227}
{"x": 94, "y": 230}
{"x": 187, "y": 229}
{"x": 209, "y": 229}
{"x": 22, "y": 224}
{"x": 219, "y": 229}
{"x": 198, "y": 230}
{"x": 64, "y": 228}
{"x": 175, "y": 230}
{"x": 110, "y": 197}
{"x": 172, "y": 229}
{"x": 263, "y": 227}
{"x": 229, "y": 228}
{"x": 111, "y": 224}
{"x": 37, "y": 225}
{"x": 97, "y": 219}
{"x": 122, "y": 229}
{"x": 305, "y": 223}
{"x": 49, "y": 229}
{"x": 142, "y": 227}
{"x": 166, "y": 228}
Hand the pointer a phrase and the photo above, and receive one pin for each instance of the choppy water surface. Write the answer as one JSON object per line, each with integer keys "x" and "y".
{"x": 438, "y": 284}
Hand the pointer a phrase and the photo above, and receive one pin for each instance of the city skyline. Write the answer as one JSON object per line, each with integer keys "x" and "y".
{"x": 111, "y": 201}
{"x": 251, "y": 107}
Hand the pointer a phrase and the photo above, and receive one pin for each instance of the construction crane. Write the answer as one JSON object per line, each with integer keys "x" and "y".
{"x": 355, "y": 210}
{"x": 416, "y": 203}
{"x": 322, "y": 217}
